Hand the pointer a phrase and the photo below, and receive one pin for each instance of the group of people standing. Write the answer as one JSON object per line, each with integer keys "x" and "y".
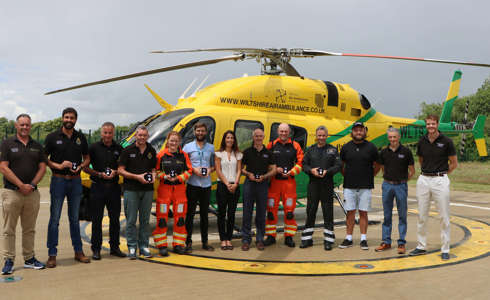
{"x": 185, "y": 182}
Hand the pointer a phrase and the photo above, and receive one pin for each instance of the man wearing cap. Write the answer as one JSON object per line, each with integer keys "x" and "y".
{"x": 396, "y": 161}
{"x": 67, "y": 150}
{"x": 137, "y": 165}
{"x": 105, "y": 190}
{"x": 437, "y": 158}
{"x": 358, "y": 162}
{"x": 23, "y": 164}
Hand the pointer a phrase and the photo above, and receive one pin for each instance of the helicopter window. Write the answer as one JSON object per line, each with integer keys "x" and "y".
{"x": 333, "y": 94}
{"x": 244, "y": 130}
{"x": 188, "y": 132}
{"x": 356, "y": 112}
{"x": 159, "y": 127}
{"x": 342, "y": 107}
{"x": 298, "y": 134}
{"x": 364, "y": 102}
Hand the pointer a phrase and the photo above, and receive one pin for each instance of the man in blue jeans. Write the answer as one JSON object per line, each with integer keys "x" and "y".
{"x": 398, "y": 167}
{"x": 67, "y": 150}
{"x": 258, "y": 166}
{"x": 137, "y": 165}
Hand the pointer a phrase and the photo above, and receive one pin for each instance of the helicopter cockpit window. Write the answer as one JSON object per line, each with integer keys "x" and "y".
{"x": 364, "y": 102}
{"x": 298, "y": 134}
{"x": 159, "y": 127}
{"x": 244, "y": 130}
{"x": 188, "y": 132}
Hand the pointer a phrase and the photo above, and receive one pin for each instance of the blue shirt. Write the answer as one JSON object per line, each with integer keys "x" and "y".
{"x": 200, "y": 157}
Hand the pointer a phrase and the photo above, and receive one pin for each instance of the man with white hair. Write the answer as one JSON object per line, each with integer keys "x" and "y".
{"x": 288, "y": 157}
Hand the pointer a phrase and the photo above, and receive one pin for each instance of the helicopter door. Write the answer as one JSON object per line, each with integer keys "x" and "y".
{"x": 244, "y": 130}
{"x": 188, "y": 132}
{"x": 298, "y": 134}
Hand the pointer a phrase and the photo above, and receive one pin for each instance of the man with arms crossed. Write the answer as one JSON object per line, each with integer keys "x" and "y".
{"x": 358, "y": 161}
{"x": 437, "y": 158}
{"x": 397, "y": 164}
{"x": 258, "y": 167}
{"x": 68, "y": 155}
{"x": 23, "y": 164}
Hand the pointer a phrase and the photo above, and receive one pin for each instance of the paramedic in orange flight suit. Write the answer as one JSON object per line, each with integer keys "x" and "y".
{"x": 174, "y": 168}
{"x": 288, "y": 157}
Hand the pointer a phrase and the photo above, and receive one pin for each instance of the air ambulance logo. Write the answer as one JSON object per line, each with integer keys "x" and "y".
{"x": 149, "y": 155}
{"x": 78, "y": 141}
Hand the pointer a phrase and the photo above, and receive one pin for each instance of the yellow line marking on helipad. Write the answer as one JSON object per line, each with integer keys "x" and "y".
{"x": 476, "y": 246}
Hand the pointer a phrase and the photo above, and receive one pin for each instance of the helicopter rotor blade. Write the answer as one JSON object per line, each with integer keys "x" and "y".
{"x": 150, "y": 72}
{"x": 311, "y": 52}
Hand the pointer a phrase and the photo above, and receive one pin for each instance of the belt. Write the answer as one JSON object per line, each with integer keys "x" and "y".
{"x": 12, "y": 188}
{"x": 395, "y": 182}
{"x": 66, "y": 176}
{"x": 440, "y": 174}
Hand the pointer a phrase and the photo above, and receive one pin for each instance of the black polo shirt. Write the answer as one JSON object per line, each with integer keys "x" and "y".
{"x": 137, "y": 163}
{"x": 59, "y": 147}
{"x": 358, "y": 164}
{"x": 23, "y": 159}
{"x": 257, "y": 162}
{"x": 396, "y": 163}
{"x": 435, "y": 156}
{"x": 102, "y": 157}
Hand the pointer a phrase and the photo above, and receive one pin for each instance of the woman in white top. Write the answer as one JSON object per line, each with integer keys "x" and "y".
{"x": 228, "y": 162}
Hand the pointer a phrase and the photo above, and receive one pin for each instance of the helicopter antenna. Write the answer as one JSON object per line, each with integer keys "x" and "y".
{"x": 187, "y": 89}
{"x": 200, "y": 85}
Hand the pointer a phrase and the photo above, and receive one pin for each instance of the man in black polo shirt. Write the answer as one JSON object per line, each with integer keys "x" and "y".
{"x": 137, "y": 165}
{"x": 105, "y": 189}
{"x": 397, "y": 164}
{"x": 258, "y": 167}
{"x": 358, "y": 160}
{"x": 23, "y": 164}
{"x": 68, "y": 154}
{"x": 437, "y": 158}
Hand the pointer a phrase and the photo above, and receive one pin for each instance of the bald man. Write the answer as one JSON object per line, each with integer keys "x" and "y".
{"x": 288, "y": 157}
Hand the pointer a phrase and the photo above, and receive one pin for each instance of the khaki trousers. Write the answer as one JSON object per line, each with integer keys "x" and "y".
{"x": 437, "y": 189}
{"x": 15, "y": 205}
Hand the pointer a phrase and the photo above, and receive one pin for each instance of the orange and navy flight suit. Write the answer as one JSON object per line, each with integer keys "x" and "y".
{"x": 286, "y": 155}
{"x": 172, "y": 164}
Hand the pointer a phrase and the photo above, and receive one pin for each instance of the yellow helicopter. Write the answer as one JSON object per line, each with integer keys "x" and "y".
{"x": 266, "y": 100}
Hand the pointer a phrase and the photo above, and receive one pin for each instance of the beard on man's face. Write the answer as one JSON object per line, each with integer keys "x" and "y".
{"x": 68, "y": 125}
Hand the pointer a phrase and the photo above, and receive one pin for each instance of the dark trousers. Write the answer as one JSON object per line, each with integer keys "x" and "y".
{"x": 197, "y": 195}
{"x": 105, "y": 195}
{"x": 319, "y": 192}
{"x": 254, "y": 192}
{"x": 227, "y": 203}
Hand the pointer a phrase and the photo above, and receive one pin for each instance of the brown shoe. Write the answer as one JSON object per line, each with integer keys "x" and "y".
{"x": 260, "y": 246}
{"x": 51, "y": 263}
{"x": 81, "y": 257}
{"x": 382, "y": 247}
{"x": 401, "y": 249}
{"x": 245, "y": 246}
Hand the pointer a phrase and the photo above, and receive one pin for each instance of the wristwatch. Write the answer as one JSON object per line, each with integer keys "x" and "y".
{"x": 34, "y": 186}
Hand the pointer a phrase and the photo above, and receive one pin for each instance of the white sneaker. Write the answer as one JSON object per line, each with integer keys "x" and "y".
{"x": 145, "y": 252}
{"x": 132, "y": 253}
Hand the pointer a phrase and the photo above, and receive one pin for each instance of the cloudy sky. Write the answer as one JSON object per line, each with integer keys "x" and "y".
{"x": 47, "y": 45}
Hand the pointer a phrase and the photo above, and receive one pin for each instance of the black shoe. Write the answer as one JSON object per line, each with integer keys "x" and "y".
{"x": 364, "y": 245}
{"x": 417, "y": 251}
{"x": 288, "y": 241}
{"x": 96, "y": 255}
{"x": 445, "y": 256}
{"x": 207, "y": 247}
{"x": 163, "y": 251}
{"x": 346, "y": 244}
{"x": 327, "y": 246}
{"x": 188, "y": 248}
{"x": 306, "y": 244}
{"x": 117, "y": 252}
{"x": 179, "y": 250}
{"x": 269, "y": 240}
